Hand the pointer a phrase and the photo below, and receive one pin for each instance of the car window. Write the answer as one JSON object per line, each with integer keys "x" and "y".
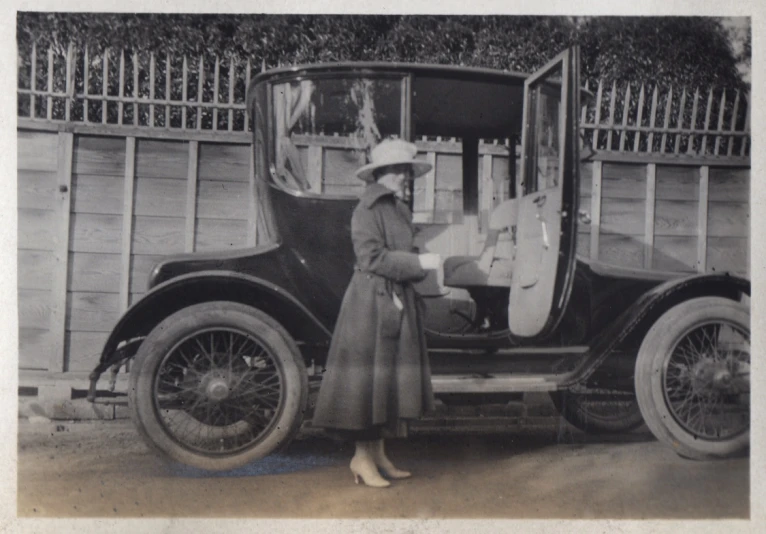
{"x": 545, "y": 105}
{"x": 324, "y": 129}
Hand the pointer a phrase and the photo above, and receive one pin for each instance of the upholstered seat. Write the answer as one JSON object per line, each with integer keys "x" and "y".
{"x": 493, "y": 267}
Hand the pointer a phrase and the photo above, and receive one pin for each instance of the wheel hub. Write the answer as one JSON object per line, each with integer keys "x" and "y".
{"x": 216, "y": 386}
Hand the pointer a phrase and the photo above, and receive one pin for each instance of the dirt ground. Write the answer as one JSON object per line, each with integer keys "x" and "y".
{"x": 103, "y": 469}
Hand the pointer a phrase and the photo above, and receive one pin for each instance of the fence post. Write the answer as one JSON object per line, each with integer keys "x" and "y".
{"x": 651, "y": 194}
{"x": 595, "y": 210}
{"x": 733, "y": 123}
{"x": 127, "y": 221}
{"x": 61, "y": 252}
{"x": 33, "y": 82}
{"x": 639, "y": 119}
{"x": 191, "y": 195}
{"x": 690, "y": 145}
{"x": 702, "y": 214}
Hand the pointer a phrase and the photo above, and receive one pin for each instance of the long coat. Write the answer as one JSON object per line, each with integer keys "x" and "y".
{"x": 377, "y": 370}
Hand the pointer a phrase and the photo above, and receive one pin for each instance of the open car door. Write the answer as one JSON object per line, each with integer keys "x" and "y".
{"x": 548, "y": 193}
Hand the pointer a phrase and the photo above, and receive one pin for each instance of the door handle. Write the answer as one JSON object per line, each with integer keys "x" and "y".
{"x": 540, "y": 201}
{"x": 584, "y": 217}
{"x": 546, "y": 242}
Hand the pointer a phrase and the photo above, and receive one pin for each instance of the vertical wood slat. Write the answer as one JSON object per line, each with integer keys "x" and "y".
{"x": 599, "y": 94}
{"x": 612, "y": 100}
{"x": 252, "y": 226}
{"x": 191, "y": 195}
{"x": 695, "y": 108}
{"x": 430, "y": 179}
{"x": 85, "y": 84}
{"x": 127, "y": 221}
{"x": 247, "y": 86}
{"x": 651, "y": 193}
{"x": 184, "y": 91}
{"x": 702, "y": 214}
{"x": 216, "y": 75}
{"x": 105, "y": 85}
{"x": 625, "y": 110}
{"x": 167, "y": 90}
{"x": 315, "y": 165}
{"x": 200, "y": 87}
{"x": 121, "y": 92}
{"x": 232, "y": 67}
{"x": 486, "y": 191}
{"x": 721, "y": 108}
{"x": 703, "y": 148}
{"x": 61, "y": 253}
{"x": 652, "y": 121}
{"x": 33, "y": 82}
{"x": 666, "y": 122}
{"x": 50, "y": 84}
{"x": 135, "y": 89}
{"x": 639, "y": 119}
{"x": 733, "y": 124}
{"x": 742, "y": 150}
{"x": 152, "y": 68}
{"x": 680, "y": 121}
{"x": 595, "y": 209}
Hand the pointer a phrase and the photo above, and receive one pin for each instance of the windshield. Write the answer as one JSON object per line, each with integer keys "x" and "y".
{"x": 324, "y": 129}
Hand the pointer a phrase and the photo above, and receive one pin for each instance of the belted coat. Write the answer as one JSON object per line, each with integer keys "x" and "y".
{"x": 377, "y": 370}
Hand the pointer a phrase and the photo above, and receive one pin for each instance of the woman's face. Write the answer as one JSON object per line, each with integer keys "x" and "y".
{"x": 397, "y": 178}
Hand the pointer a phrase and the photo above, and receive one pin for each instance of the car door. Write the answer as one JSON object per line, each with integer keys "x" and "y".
{"x": 548, "y": 191}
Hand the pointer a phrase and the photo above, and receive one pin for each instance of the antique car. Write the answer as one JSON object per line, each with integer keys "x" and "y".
{"x": 224, "y": 350}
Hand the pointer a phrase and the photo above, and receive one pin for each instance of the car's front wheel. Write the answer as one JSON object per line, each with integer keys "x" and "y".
{"x": 218, "y": 385}
{"x": 693, "y": 378}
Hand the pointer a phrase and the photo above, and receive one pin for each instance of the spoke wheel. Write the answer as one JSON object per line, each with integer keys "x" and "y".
{"x": 693, "y": 378}
{"x": 599, "y": 411}
{"x": 218, "y": 385}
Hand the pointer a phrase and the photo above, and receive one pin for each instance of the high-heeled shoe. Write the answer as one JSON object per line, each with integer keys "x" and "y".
{"x": 382, "y": 461}
{"x": 363, "y": 467}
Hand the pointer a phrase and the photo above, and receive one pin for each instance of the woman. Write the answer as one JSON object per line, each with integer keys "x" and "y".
{"x": 377, "y": 373}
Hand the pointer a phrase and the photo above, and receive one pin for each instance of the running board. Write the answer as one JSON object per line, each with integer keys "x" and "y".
{"x": 499, "y": 383}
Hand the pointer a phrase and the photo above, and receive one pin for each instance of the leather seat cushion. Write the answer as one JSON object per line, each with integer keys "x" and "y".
{"x": 464, "y": 271}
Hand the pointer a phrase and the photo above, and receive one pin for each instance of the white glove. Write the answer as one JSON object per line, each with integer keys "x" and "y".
{"x": 430, "y": 260}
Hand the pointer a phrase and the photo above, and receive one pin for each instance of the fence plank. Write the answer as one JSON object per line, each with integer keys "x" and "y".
{"x": 135, "y": 89}
{"x": 86, "y": 83}
{"x": 127, "y": 221}
{"x": 666, "y": 122}
{"x": 61, "y": 250}
{"x": 595, "y": 208}
{"x": 486, "y": 191}
{"x": 612, "y": 100}
{"x": 152, "y": 68}
{"x": 742, "y": 151}
{"x": 191, "y": 195}
{"x": 639, "y": 119}
{"x": 680, "y": 121}
{"x": 733, "y": 124}
{"x": 703, "y": 148}
{"x": 167, "y": 90}
{"x": 216, "y": 82}
{"x": 314, "y": 168}
{"x": 625, "y": 110}
{"x": 651, "y": 193}
{"x": 693, "y": 125}
{"x": 247, "y": 86}
{"x": 33, "y": 82}
{"x": 49, "y": 109}
{"x": 232, "y": 68}
{"x": 721, "y": 108}
{"x": 652, "y": 119}
{"x": 121, "y": 91}
{"x": 200, "y": 87}
{"x": 252, "y": 204}
{"x": 184, "y": 91}
{"x": 702, "y": 219}
{"x": 105, "y": 84}
{"x": 597, "y": 121}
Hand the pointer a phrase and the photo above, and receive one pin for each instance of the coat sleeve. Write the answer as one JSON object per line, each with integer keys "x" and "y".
{"x": 372, "y": 254}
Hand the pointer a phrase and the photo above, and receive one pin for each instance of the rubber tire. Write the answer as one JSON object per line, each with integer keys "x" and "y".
{"x": 570, "y": 409}
{"x": 655, "y": 348}
{"x": 183, "y": 323}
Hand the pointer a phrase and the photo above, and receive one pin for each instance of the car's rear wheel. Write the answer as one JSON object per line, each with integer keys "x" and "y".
{"x": 218, "y": 385}
{"x": 599, "y": 411}
{"x": 693, "y": 378}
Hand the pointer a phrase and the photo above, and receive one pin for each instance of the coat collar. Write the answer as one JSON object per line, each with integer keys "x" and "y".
{"x": 373, "y": 193}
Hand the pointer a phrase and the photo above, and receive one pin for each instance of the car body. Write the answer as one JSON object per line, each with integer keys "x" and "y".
{"x": 551, "y": 322}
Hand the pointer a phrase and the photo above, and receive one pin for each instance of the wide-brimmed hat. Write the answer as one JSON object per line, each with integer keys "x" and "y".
{"x": 393, "y": 152}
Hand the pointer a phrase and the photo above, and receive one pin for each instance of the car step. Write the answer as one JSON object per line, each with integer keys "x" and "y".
{"x": 498, "y": 383}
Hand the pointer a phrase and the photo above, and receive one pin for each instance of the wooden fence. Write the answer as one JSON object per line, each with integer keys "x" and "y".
{"x": 112, "y": 179}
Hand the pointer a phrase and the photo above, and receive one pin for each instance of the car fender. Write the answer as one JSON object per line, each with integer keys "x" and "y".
{"x": 207, "y": 286}
{"x": 632, "y": 324}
